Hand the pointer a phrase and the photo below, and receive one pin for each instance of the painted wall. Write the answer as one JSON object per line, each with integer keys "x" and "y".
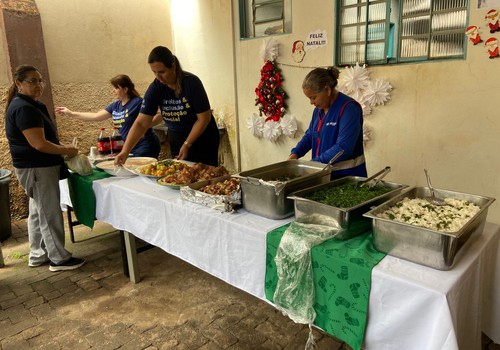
{"x": 203, "y": 43}
{"x": 91, "y": 40}
{"x": 442, "y": 116}
{"x": 87, "y": 43}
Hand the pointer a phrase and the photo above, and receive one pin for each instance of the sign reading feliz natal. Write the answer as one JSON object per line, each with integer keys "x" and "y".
{"x": 316, "y": 39}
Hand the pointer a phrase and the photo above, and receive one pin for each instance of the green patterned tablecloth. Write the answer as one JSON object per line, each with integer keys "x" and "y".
{"x": 342, "y": 280}
{"x": 82, "y": 195}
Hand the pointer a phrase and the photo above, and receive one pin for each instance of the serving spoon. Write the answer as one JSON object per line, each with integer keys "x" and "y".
{"x": 334, "y": 158}
{"x": 372, "y": 181}
{"x": 432, "y": 198}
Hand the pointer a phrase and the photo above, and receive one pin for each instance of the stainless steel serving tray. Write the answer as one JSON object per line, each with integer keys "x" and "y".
{"x": 422, "y": 245}
{"x": 351, "y": 220}
{"x": 265, "y": 197}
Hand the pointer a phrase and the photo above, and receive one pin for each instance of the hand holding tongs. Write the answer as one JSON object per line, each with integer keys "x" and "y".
{"x": 372, "y": 181}
{"x": 334, "y": 158}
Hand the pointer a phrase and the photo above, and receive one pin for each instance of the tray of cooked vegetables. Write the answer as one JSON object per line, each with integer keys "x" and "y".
{"x": 221, "y": 193}
{"x": 342, "y": 203}
{"x": 161, "y": 168}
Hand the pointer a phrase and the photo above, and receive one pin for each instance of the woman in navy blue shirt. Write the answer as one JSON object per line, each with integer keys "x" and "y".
{"x": 192, "y": 131}
{"x": 336, "y": 125}
{"x": 123, "y": 111}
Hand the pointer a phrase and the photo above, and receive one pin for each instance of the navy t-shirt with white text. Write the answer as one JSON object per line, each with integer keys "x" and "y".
{"x": 178, "y": 112}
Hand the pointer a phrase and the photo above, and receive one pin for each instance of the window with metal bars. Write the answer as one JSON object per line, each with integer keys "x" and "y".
{"x": 395, "y": 31}
{"x": 264, "y": 17}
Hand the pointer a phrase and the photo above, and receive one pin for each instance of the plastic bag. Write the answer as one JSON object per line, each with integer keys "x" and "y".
{"x": 79, "y": 164}
{"x": 294, "y": 294}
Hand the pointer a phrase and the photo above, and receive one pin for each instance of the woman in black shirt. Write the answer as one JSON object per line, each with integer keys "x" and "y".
{"x": 37, "y": 158}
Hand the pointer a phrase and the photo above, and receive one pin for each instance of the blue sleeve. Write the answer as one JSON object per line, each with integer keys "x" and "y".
{"x": 135, "y": 107}
{"x": 198, "y": 96}
{"x": 305, "y": 144}
{"x": 110, "y": 108}
{"x": 350, "y": 127}
{"x": 151, "y": 101}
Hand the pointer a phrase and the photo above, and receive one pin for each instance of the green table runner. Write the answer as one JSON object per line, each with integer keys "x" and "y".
{"x": 82, "y": 195}
{"x": 342, "y": 280}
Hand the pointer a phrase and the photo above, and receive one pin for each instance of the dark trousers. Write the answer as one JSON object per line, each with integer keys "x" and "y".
{"x": 204, "y": 150}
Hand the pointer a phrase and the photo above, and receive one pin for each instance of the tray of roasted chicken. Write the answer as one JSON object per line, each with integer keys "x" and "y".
{"x": 222, "y": 193}
{"x": 190, "y": 174}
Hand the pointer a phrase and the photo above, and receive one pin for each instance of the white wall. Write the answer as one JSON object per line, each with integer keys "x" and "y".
{"x": 203, "y": 43}
{"x": 442, "y": 116}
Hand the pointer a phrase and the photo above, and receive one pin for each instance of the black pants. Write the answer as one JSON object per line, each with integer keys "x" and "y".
{"x": 204, "y": 150}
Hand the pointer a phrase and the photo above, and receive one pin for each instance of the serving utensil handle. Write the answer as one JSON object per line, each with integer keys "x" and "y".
{"x": 334, "y": 158}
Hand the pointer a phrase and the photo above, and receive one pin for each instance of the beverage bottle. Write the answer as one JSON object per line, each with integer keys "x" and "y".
{"x": 103, "y": 143}
{"x": 116, "y": 141}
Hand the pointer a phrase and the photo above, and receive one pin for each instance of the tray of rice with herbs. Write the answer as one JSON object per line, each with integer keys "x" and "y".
{"x": 409, "y": 227}
{"x": 342, "y": 203}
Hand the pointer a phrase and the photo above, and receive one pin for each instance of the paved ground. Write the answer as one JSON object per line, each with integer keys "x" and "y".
{"x": 175, "y": 306}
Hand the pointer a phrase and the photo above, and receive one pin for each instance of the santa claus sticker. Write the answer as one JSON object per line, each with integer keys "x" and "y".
{"x": 492, "y": 19}
{"x": 492, "y": 46}
{"x": 472, "y": 33}
{"x": 298, "y": 51}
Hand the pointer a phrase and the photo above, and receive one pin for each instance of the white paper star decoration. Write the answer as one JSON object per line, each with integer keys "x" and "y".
{"x": 377, "y": 92}
{"x": 353, "y": 79}
{"x": 288, "y": 125}
{"x": 272, "y": 130}
{"x": 269, "y": 50}
{"x": 255, "y": 124}
{"x": 366, "y": 133}
{"x": 355, "y": 82}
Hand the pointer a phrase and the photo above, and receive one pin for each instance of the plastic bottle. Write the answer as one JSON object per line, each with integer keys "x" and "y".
{"x": 103, "y": 143}
{"x": 116, "y": 141}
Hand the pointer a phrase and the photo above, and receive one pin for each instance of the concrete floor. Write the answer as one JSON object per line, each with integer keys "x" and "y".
{"x": 175, "y": 306}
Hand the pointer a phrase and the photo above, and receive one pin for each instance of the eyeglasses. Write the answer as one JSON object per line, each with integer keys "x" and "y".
{"x": 35, "y": 82}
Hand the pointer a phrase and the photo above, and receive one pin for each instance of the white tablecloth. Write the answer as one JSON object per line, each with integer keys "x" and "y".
{"x": 411, "y": 306}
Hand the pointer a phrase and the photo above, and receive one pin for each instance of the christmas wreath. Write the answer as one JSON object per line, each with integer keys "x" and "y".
{"x": 272, "y": 122}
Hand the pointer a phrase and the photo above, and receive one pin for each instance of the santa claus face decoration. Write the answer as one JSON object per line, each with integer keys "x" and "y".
{"x": 492, "y": 19}
{"x": 472, "y": 33}
{"x": 492, "y": 45}
{"x": 298, "y": 51}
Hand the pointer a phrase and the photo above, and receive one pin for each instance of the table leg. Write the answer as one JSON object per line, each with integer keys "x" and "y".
{"x": 131, "y": 251}
{"x": 71, "y": 223}
{"x": 124, "y": 254}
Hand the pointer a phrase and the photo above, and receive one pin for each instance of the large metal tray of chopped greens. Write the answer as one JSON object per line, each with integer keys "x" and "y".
{"x": 425, "y": 246}
{"x": 346, "y": 209}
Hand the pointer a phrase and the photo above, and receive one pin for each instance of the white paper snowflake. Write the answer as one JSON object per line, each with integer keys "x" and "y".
{"x": 366, "y": 134}
{"x": 272, "y": 130}
{"x": 255, "y": 124}
{"x": 377, "y": 92}
{"x": 354, "y": 78}
{"x": 269, "y": 50}
{"x": 288, "y": 125}
{"x": 367, "y": 110}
